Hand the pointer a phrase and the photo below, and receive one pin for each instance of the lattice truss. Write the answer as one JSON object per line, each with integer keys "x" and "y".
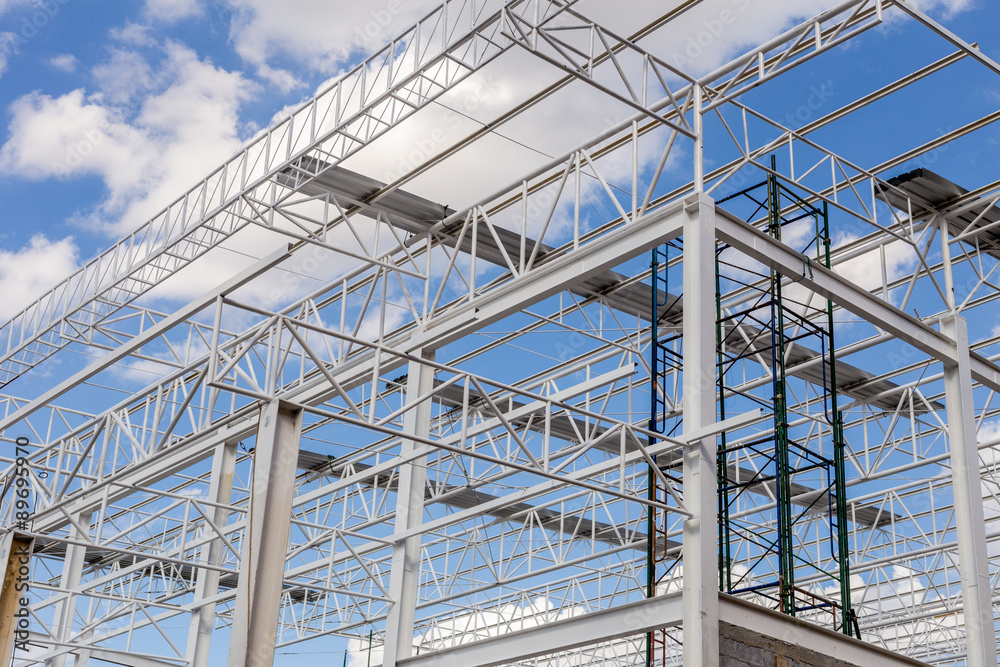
{"x": 469, "y": 370}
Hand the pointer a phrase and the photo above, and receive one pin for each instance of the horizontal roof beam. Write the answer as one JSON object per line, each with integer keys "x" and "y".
{"x": 596, "y": 627}
{"x": 830, "y": 285}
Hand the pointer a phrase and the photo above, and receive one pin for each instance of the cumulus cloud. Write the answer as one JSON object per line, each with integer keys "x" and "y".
{"x": 171, "y": 11}
{"x": 284, "y": 80}
{"x": 948, "y": 7}
{"x": 67, "y": 135}
{"x": 317, "y": 33}
{"x": 462, "y": 628}
{"x": 126, "y": 74}
{"x": 30, "y": 271}
{"x": 64, "y": 62}
{"x": 866, "y": 270}
{"x": 186, "y": 123}
{"x": 134, "y": 34}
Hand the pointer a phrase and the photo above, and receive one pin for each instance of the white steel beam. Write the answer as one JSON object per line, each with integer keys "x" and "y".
{"x": 136, "y": 343}
{"x": 410, "y": 495}
{"x": 601, "y": 254}
{"x": 600, "y": 626}
{"x": 65, "y": 609}
{"x": 828, "y": 284}
{"x": 262, "y": 563}
{"x": 701, "y": 599}
{"x": 970, "y": 526}
{"x": 203, "y": 619}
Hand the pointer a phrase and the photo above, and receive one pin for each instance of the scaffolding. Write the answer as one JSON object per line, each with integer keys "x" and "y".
{"x": 763, "y": 325}
{"x": 756, "y": 331}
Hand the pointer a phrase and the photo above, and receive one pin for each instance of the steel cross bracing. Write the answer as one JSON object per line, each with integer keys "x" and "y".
{"x": 530, "y": 425}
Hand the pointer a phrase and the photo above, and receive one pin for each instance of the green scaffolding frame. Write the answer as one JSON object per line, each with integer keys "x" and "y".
{"x": 762, "y": 331}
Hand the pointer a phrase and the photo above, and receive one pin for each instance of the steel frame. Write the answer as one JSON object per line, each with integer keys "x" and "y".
{"x": 463, "y": 488}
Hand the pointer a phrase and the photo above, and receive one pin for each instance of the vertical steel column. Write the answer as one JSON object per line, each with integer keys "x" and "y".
{"x": 970, "y": 525}
{"x": 405, "y": 574}
{"x": 967, "y": 485}
{"x": 72, "y": 574}
{"x": 698, "y": 95}
{"x": 265, "y": 543}
{"x": 203, "y": 618}
{"x": 701, "y": 598}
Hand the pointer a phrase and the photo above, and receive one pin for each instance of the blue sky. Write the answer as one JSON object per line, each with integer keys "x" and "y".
{"x": 112, "y": 109}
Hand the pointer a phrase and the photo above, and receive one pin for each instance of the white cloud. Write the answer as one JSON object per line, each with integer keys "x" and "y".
{"x": 64, "y": 62}
{"x": 284, "y": 113}
{"x": 134, "y": 34}
{"x": 66, "y": 136}
{"x": 124, "y": 76}
{"x": 30, "y": 271}
{"x": 894, "y": 21}
{"x": 463, "y": 628}
{"x": 948, "y": 7}
{"x": 989, "y": 431}
{"x": 171, "y": 11}
{"x": 146, "y": 157}
{"x": 284, "y": 80}
{"x": 318, "y": 33}
{"x": 7, "y": 5}
{"x": 8, "y": 42}
{"x": 866, "y": 270}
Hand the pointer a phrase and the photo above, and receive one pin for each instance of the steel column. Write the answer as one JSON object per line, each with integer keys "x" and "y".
{"x": 969, "y": 519}
{"x": 71, "y": 575}
{"x": 701, "y": 597}
{"x": 203, "y": 619}
{"x": 405, "y": 574}
{"x": 262, "y": 563}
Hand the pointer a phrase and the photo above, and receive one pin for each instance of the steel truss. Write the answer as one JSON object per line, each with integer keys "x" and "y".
{"x": 429, "y": 439}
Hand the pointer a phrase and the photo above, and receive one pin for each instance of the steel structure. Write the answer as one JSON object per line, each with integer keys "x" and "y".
{"x": 417, "y": 430}
{"x": 764, "y": 551}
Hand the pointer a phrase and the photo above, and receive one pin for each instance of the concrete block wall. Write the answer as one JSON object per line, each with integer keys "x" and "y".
{"x": 741, "y": 647}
